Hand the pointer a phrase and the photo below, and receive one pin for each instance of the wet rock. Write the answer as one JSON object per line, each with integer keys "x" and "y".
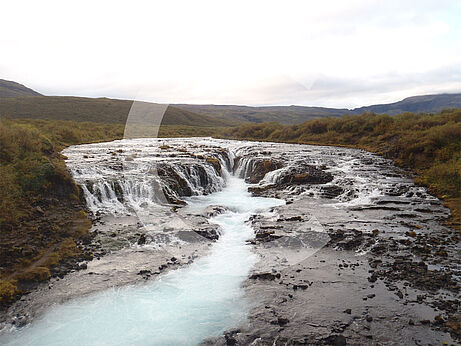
{"x": 264, "y": 236}
{"x": 304, "y": 174}
{"x": 331, "y": 191}
{"x": 260, "y": 167}
{"x": 336, "y": 340}
{"x": 214, "y": 210}
{"x": 176, "y": 182}
{"x": 210, "y": 233}
{"x": 265, "y": 276}
{"x": 215, "y": 163}
{"x": 369, "y": 318}
{"x": 346, "y": 240}
{"x": 146, "y": 274}
{"x": 142, "y": 239}
{"x": 281, "y": 321}
{"x": 260, "y": 190}
{"x": 229, "y": 337}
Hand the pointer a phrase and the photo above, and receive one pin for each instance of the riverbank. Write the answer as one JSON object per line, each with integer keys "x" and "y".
{"x": 42, "y": 211}
{"x": 427, "y": 145}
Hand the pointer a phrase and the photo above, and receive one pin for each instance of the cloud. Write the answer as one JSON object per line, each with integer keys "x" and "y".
{"x": 332, "y": 53}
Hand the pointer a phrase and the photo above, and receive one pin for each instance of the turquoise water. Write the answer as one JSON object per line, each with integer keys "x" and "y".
{"x": 182, "y": 307}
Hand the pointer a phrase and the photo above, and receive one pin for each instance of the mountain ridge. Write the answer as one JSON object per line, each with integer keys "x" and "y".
{"x": 295, "y": 114}
{"x": 18, "y": 101}
{"x": 10, "y": 88}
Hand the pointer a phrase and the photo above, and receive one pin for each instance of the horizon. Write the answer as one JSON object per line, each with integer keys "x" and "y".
{"x": 242, "y": 105}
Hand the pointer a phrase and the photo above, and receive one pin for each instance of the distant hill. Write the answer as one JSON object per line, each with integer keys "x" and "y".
{"x": 101, "y": 110}
{"x": 416, "y": 104}
{"x": 281, "y": 114}
{"x": 13, "y": 89}
{"x": 299, "y": 114}
{"x": 16, "y": 101}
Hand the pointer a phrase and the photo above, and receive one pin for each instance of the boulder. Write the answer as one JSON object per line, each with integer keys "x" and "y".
{"x": 304, "y": 174}
{"x": 261, "y": 167}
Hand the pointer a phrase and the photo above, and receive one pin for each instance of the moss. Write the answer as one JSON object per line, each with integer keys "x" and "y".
{"x": 36, "y": 274}
{"x": 8, "y": 292}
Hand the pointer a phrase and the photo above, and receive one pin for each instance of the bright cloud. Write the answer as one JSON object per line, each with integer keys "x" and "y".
{"x": 332, "y": 53}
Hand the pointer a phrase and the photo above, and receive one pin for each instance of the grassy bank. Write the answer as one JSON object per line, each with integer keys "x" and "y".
{"x": 41, "y": 211}
{"x": 427, "y": 144}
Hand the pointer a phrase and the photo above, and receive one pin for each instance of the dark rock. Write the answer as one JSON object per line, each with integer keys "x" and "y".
{"x": 304, "y": 174}
{"x": 331, "y": 191}
{"x": 369, "y": 318}
{"x": 145, "y": 273}
{"x": 282, "y": 321}
{"x": 142, "y": 239}
{"x": 265, "y": 276}
{"x": 336, "y": 340}
{"x": 214, "y": 210}
{"x": 260, "y": 167}
{"x": 215, "y": 163}
{"x": 259, "y": 190}
{"x": 208, "y": 233}
{"x": 266, "y": 236}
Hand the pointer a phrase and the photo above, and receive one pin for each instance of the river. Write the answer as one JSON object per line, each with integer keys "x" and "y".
{"x": 331, "y": 243}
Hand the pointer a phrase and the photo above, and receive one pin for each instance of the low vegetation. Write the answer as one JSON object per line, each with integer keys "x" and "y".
{"x": 427, "y": 144}
{"x": 41, "y": 210}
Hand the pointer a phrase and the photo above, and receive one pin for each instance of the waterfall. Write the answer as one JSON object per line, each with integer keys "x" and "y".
{"x": 133, "y": 176}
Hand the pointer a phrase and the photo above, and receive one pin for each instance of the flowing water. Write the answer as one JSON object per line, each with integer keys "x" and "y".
{"x": 183, "y": 307}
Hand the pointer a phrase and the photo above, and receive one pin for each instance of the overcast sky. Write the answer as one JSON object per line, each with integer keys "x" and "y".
{"x": 328, "y": 53}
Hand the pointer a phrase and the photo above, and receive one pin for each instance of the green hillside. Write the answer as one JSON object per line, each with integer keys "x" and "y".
{"x": 280, "y": 114}
{"x": 101, "y": 110}
{"x": 416, "y": 104}
{"x": 300, "y": 114}
{"x": 13, "y": 89}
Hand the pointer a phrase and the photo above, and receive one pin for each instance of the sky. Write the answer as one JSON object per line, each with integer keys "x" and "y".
{"x": 314, "y": 53}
